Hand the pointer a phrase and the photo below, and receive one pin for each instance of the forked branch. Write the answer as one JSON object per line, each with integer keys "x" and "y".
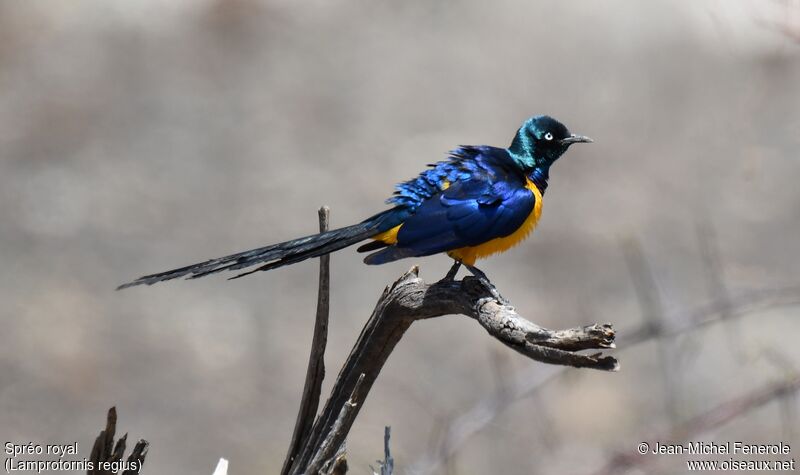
{"x": 410, "y": 299}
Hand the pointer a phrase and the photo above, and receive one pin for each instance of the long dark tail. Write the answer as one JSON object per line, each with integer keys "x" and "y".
{"x": 281, "y": 254}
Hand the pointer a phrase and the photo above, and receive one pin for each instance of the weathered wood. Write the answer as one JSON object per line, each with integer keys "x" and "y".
{"x": 104, "y": 450}
{"x": 330, "y": 446}
{"x": 410, "y": 299}
{"x": 387, "y": 464}
{"x": 315, "y": 373}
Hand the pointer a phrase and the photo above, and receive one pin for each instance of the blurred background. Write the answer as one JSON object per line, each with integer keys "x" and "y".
{"x": 141, "y": 136}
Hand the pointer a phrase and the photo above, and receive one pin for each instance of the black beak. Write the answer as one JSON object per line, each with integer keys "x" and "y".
{"x": 575, "y": 139}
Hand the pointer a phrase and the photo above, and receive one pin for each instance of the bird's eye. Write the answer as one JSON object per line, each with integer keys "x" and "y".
{"x": 548, "y": 136}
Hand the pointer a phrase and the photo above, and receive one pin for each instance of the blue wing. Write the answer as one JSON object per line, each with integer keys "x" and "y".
{"x": 487, "y": 200}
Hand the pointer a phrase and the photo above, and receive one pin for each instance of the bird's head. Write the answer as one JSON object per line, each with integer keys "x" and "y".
{"x": 540, "y": 141}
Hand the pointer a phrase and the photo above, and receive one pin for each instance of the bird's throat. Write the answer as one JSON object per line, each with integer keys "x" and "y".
{"x": 539, "y": 176}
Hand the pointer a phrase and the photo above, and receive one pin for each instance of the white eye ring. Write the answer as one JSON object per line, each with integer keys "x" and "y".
{"x": 548, "y": 136}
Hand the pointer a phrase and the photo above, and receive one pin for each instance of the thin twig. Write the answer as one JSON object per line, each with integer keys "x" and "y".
{"x": 387, "y": 464}
{"x": 315, "y": 373}
{"x": 338, "y": 464}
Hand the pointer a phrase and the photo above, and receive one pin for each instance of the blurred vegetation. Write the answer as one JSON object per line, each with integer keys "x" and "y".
{"x": 138, "y": 136}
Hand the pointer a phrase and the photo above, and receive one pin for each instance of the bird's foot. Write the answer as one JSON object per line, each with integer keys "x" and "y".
{"x": 487, "y": 283}
{"x": 451, "y": 274}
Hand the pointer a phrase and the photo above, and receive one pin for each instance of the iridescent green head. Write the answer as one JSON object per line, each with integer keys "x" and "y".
{"x": 540, "y": 141}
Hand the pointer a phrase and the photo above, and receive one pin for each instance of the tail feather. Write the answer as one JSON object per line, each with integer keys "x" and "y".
{"x": 277, "y": 255}
{"x": 391, "y": 254}
{"x": 301, "y": 256}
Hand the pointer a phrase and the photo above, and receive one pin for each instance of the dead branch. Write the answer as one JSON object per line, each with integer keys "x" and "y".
{"x": 387, "y": 464}
{"x": 315, "y": 373}
{"x": 330, "y": 445}
{"x": 106, "y": 455}
{"x": 410, "y": 299}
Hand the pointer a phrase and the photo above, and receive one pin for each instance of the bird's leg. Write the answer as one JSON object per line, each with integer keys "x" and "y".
{"x": 485, "y": 281}
{"x": 451, "y": 274}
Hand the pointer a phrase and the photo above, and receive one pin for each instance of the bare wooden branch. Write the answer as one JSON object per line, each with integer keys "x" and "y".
{"x": 136, "y": 458}
{"x": 338, "y": 465}
{"x": 410, "y": 299}
{"x": 106, "y": 457}
{"x": 324, "y": 456}
{"x": 315, "y": 373}
{"x": 387, "y": 465}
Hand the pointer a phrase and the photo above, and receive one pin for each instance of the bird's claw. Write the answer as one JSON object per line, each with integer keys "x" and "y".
{"x": 451, "y": 274}
{"x": 493, "y": 290}
{"x": 483, "y": 279}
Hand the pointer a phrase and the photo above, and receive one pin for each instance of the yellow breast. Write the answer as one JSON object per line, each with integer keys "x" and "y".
{"x": 469, "y": 255}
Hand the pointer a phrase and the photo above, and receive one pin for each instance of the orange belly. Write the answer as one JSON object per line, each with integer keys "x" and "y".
{"x": 468, "y": 255}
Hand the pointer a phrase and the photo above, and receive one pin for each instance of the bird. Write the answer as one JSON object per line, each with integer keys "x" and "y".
{"x": 479, "y": 201}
